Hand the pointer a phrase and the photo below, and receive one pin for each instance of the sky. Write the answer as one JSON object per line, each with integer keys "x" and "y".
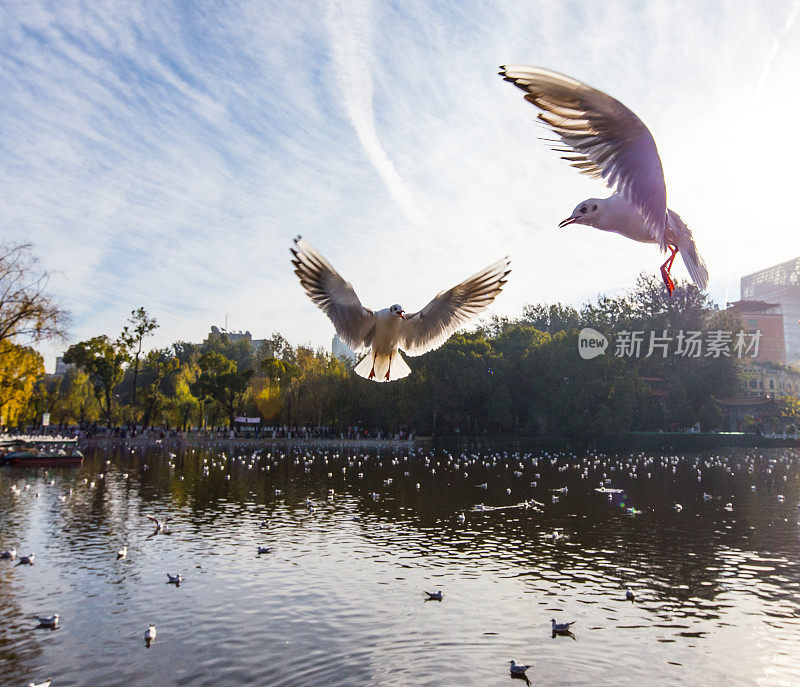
{"x": 164, "y": 154}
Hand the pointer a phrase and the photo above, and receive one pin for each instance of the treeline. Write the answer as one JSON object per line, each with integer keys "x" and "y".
{"x": 522, "y": 375}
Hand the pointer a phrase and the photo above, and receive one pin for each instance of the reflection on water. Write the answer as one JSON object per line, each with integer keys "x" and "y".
{"x": 707, "y": 543}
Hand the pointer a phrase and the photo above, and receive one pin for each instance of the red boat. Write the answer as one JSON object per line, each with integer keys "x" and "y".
{"x": 43, "y": 452}
{"x": 45, "y": 459}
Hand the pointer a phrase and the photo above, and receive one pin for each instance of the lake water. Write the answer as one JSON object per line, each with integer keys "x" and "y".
{"x": 339, "y": 599}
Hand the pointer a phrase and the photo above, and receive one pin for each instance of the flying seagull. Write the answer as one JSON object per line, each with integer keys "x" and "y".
{"x": 392, "y": 328}
{"x": 604, "y": 139}
{"x": 159, "y": 524}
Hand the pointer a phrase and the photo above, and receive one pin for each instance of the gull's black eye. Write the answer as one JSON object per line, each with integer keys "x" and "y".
{"x": 594, "y": 207}
{"x": 583, "y": 209}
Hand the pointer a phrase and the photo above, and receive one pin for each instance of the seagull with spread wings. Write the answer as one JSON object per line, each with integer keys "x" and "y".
{"x": 602, "y": 138}
{"x": 392, "y": 328}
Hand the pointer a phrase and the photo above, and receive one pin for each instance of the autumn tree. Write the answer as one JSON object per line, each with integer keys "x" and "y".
{"x": 20, "y": 368}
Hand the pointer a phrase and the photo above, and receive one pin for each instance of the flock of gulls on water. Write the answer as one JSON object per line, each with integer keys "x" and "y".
{"x": 598, "y": 136}
{"x": 524, "y": 469}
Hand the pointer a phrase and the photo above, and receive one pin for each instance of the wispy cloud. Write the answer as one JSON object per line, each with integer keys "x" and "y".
{"x": 350, "y": 24}
{"x": 776, "y": 46}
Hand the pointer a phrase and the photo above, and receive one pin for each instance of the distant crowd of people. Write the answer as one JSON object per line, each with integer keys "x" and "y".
{"x": 94, "y": 429}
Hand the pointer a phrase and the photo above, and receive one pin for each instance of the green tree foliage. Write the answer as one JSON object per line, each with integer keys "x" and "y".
{"x": 157, "y": 366}
{"x": 711, "y": 416}
{"x": 507, "y": 375}
{"x": 103, "y": 360}
{"x": 140, "y": 325}
{"x": 220, "y": 382}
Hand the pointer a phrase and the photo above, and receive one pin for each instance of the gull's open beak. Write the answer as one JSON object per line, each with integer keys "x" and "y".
{"x": 402, "y": 314}
{"x": 567, "y": 221}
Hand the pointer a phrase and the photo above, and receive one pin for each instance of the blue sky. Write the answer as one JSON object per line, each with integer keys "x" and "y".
{"x": 165, "y": 154}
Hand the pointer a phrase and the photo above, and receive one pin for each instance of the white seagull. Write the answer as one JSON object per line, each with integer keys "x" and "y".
{"x": 517, "y": 669}
{"x": 150, "y": 634}
{"x": 9, "y": 554}
{"x": 27, "y": 560}
{"x": 560, "y": 628}
{"x": 50, "y": 621}
{"x": 122, "y": 553}
{"x": 392, "y": 328}
{"x": 604, "y": 139}
{"x": 175, "y": 579}
{"x": 46, "y": 683}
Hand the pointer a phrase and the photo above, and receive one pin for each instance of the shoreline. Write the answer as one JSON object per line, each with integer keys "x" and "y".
{"x": 254, "y": 441}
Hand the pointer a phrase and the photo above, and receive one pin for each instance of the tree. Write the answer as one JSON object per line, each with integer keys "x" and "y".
{"x": 711, "y": 415}
{"x": 789, "y": 409}
{"x": 219, "y": 381}
{"x": 158, "y": 365}
{"x": 103, "y": 360}
{"x": 140, "y": 325}
{"x": 20, "y": 368}
{"x": 77, "y": 402}
{"x": 27, "y": 314}
{"x": 279, "y": 371}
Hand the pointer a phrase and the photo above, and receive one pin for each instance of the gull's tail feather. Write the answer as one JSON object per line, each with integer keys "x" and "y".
{"x": 695, "y": 265}
{"x": 398, "y": 370}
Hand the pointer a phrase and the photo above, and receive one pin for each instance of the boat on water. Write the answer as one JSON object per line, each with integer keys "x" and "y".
{"x": 49, "y": 452}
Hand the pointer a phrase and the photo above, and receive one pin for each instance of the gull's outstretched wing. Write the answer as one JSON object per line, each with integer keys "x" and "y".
{"x": 604, "y": 139}
{"x": 354, "y": 323}
{"x": 429, "y": 328}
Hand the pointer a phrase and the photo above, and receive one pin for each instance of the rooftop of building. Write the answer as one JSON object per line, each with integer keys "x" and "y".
{"x": 755, "y": 306}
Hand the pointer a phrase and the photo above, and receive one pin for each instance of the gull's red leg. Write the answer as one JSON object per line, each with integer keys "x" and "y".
{"x": 372, "y": 371}
{"x": 389, "y": 368}
{"x": 666, "y": 267}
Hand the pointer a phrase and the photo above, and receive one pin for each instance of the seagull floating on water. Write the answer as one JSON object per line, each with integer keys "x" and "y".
{"x": 149, "y": 635}
{"x": 390, "y": 330}
{"x": 264, "y": 549}
{"x": 9, "y": 554}
{"x": 560, "y": 628}
{"x": 122, "y": 553}
{"x": 602, "y": 138}
{"x": 629, "y": 595}
{"x": 175, "y": 579}
{"x": 517, "y": 669}
{"x": 434, "y": 596}
{"x": 50, "y": 621}
{"x": 46, "y": 683}
{"x": 26, "y": 560}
